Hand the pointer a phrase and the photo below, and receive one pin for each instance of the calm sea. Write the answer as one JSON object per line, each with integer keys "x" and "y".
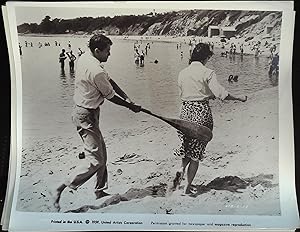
{"x": 47, "y": 93}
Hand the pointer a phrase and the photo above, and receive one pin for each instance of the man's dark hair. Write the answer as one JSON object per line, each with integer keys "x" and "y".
{"x": 201, "y": 52}
{"x": 99, "y": 41}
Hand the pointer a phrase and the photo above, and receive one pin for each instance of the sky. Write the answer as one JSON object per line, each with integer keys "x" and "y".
{"x": 35, "y": 14}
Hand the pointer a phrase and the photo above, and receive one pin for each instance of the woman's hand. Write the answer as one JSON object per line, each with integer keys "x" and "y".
{"x": 236, "y": 98}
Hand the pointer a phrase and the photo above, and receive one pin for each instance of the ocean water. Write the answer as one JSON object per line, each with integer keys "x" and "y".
{"x": 47, "y": 92}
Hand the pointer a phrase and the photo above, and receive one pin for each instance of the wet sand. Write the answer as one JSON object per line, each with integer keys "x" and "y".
{"x": 239, "y": 174}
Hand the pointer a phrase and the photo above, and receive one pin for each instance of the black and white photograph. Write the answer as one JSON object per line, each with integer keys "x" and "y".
{"x": 157, "y": 110}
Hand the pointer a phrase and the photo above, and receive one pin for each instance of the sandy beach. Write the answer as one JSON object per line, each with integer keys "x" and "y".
{"x": 239, "y": 174}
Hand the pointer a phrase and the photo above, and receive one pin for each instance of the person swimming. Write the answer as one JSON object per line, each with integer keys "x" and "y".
{"x": 235, "y": 78}
{"x": 224, "y": 54}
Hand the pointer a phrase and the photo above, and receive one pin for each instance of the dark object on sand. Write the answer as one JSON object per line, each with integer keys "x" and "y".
{"x": 81, "y": 155}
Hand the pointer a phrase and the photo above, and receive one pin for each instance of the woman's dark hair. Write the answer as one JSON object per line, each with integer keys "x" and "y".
{"x": 201, "y": 52}
{"x": 99, "y": 41}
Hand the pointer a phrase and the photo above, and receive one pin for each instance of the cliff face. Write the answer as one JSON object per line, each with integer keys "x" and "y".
{"x": 179, "y": 23}
{"x": 197, "y": 22}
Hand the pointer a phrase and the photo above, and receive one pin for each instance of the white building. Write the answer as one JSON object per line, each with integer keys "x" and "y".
{"x": 213, "y": 31}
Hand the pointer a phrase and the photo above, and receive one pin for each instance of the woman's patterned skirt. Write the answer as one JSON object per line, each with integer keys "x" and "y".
{"x": 198, "y": 112}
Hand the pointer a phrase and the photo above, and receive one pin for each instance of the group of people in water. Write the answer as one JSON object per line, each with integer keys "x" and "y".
{"x": 39, "y": 45}
{"x": 63, "y": 56}
{"x": 139, "y": 54}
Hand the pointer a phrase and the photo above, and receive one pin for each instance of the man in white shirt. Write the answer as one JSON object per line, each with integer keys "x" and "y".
{"x": 92, "y": 86}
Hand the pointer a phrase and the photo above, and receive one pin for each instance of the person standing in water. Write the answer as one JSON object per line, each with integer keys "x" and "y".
{"x": 136, "y": 57}
{"x": 20, "y": 49}
{"x": 72, "y": 59}
{"x": 80, "y": 52}
{"x": 62, "y": 57}
{"x": 142, "y": 59}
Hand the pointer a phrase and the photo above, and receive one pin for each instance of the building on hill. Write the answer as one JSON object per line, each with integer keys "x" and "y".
{"x": 228, "y": 32}
{"x": 213, "y": 31}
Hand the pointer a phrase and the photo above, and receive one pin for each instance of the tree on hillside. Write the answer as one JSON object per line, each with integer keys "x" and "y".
{"x": 46, "y": 25}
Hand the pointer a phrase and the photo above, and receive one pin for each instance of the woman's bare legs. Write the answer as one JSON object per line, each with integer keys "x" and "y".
{"x": 191, "y": 172}
{"x": 180, "y": 173}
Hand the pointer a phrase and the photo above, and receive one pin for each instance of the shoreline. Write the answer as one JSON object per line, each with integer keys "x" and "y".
{"x": 243, "y": 148}
{"x": 265, "y": 50}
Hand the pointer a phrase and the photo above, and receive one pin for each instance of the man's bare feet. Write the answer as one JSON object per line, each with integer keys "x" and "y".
{"x": 100, "y": 194}
{"x": 56, "y": 194}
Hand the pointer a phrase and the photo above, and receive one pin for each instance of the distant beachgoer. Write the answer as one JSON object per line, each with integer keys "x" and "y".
{"x": 234, "y": 49}
{"x": 20, "y": 49}
{"x": 181, "y": 55}
{"x": 274, "y": 64}
{"x": 62, "y": 57}
{"x": 80, "y": 52}
{"x": 92, "y": 86}
{"x": 272, "y": 51}
{"x": 197, "y": 85}
{"x": 142, "y": 58}
{"x": 31, "y": 44}
{"x": 40, "y": 45}
{"x": 137, "y": 57}
{"x": 257, "y": 51}
{"x": 242, "y": 49}
{"x": 72, "y": 59}
{"x": 224, "y": 54}
{"x": 56, "y": 43}
{"x": 26, "y": 43}
{"x": 69, "y": 46}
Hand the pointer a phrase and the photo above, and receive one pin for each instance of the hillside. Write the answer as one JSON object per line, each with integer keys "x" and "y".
{"x": 179, "y": 23}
